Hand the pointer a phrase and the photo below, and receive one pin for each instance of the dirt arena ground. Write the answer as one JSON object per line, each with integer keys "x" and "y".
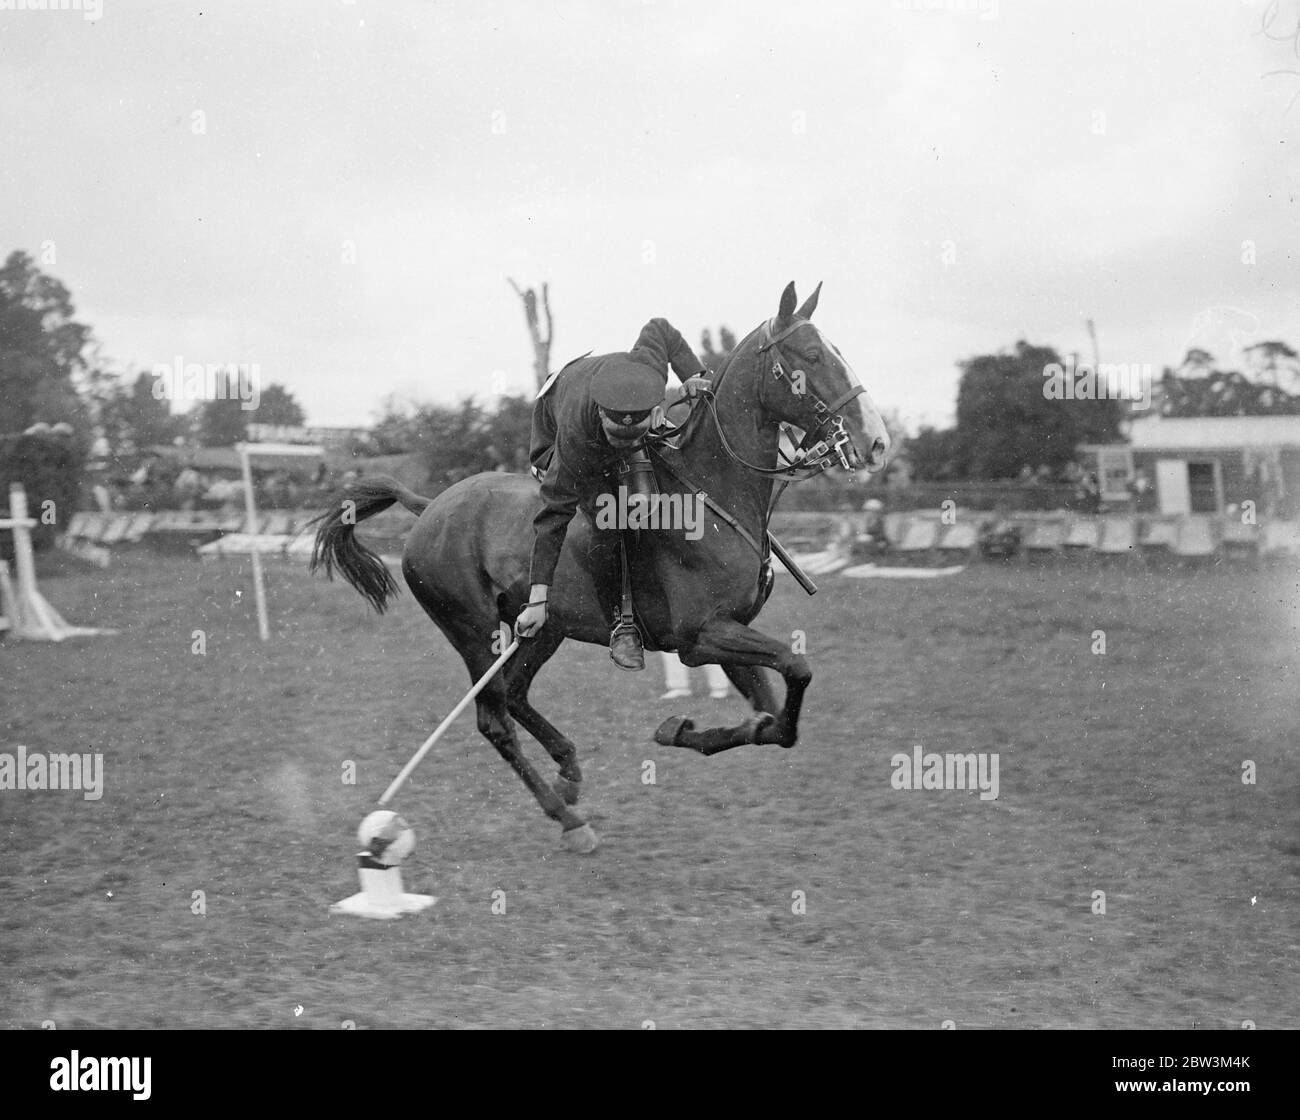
{"x": 1119, "y": 772}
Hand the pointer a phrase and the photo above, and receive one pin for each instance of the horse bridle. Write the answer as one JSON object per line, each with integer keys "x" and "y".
{"x": 815, "y": 453}
{"x": 826, "y": 414}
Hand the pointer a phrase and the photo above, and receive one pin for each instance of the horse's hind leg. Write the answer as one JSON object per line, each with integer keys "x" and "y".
{"x": 495, "y": 724}
{"x": 519, "y": 673}
{"x": 754, "y": 687}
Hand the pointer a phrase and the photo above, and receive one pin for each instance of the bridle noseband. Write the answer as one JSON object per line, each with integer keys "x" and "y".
{"x": 816, "y": 453}
{"x": 827, "y": 415}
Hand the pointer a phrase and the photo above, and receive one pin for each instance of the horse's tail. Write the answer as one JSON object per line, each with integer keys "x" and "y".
{"x": 337, "y": 547}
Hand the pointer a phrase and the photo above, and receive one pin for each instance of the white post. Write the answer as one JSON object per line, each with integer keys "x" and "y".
{"x": 31, "y": 604}
{"x": 250, "y": 527}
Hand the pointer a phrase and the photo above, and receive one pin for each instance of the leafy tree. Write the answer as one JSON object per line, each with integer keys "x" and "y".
{"x": 395, "y": 430}
{"x": 132, "y": 418}
{"x": 726, "y": 344}
{"x": 1005, "y": 420}
{"x": 934, "y": 454}
{"x": 1199, "y": 388}
{"x": 453, "y": 442}
{"x": 1277, "y": 363}
{"x": 46, "y": 356}
{"x": 223, "y": 421}
{"x": 510, "y": 428}
{"x": 277, "y": 405}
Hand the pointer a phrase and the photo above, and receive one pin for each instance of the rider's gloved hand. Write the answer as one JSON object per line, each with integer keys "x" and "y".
{"x": 694, "y": 386}
{"x": 531, "y": 619}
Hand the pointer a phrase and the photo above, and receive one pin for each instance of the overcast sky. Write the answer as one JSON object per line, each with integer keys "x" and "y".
{"x": 959, "y": 178}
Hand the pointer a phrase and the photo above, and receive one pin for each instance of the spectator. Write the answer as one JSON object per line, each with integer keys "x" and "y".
{"x": 678, "y": 679}
{"x": 1088, "y": 494}
{"x": 872, "y": 540}
{"x": 189, "y": 488}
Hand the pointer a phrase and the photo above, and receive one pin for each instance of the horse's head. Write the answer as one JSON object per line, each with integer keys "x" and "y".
{"x": 808, "y": 383}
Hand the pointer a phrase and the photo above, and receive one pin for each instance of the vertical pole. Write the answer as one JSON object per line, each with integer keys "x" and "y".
{"x": 32, "y": 611}
{"x": 250, "y": 527}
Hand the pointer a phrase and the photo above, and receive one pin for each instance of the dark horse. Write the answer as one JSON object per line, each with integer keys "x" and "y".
{"x": 467, "y": 558}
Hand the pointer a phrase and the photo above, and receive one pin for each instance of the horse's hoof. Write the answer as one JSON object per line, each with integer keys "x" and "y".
{"x": 568, "y": 791}
{"x": 672, "y": 729}
{"x": 765, "y": 731}
{"x": 581, "y": 840}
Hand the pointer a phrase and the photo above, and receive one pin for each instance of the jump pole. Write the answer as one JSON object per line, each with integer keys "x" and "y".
{"x": 246, "y": 451}
{"x": 250, "y": 527}
{"x": 30, "y": 616}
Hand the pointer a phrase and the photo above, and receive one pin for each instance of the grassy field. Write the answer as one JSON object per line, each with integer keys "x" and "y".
{"x": 224, "y": 772}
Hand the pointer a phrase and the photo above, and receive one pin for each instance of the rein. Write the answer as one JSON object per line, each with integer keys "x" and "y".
{"x": 813, "y": 459}
{"x": 810, "y": 461}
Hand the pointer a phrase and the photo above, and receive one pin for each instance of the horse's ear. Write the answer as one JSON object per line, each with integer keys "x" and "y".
{"x": 810, "y": 304}
{"x": 788, "y": 300}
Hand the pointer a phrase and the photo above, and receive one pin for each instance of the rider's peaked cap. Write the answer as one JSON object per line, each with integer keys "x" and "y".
{"x": 623, "y": 384}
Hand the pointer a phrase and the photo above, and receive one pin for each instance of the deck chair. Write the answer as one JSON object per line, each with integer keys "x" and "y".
{"x": 1118, "y": 537}
{"x": 116, "y": 529}
{"x": 958, "y": 543}
{"x": 278, "y": 523}
{"x": 140, "y": 524}
{"x": 93, "y": 527}
{"x": 919, "y": 539}
{"x": 1239, "y": 541}
{"x": 1195, "y": 539}
{"x": 299, "y": 547}
{"x": 1083, "y": 534}
{"x": 1044, "y": 538}
{"x": 1281, "y": 538}
{"x": 1159, "y": 536}
{"x": 77, "y": 526}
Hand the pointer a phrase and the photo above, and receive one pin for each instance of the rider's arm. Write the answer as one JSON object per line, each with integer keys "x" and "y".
{"x": 560, "y": 498}
{"x": 663, "y": 343}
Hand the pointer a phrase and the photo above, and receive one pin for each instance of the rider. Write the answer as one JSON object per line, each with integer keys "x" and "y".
{"x": 589, "y": 416}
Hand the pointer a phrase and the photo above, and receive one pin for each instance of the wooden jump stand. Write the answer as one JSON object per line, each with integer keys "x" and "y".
{"x": 24, "y": 611}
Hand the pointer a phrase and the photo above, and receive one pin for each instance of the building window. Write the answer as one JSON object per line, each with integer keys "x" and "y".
{"x": 1115, "y": 469}
{"x": 1203, "y": 484}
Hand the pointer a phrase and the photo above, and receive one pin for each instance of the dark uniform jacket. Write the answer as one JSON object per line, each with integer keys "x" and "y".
{"x": 568, "y": 444}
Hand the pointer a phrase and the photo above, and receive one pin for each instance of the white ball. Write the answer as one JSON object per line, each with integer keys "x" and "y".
{"x": 386, "y": 837}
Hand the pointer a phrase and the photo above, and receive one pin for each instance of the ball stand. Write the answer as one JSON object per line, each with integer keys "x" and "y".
{"x": 381, "y": 894}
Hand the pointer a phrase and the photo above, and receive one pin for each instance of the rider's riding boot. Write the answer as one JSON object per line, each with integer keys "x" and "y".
{"x": 625, "y": 648}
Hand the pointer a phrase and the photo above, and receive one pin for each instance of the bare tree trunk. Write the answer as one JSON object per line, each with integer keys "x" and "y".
{"x": 541, "y": 343}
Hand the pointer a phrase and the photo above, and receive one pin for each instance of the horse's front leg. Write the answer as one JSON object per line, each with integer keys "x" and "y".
{"x": 728, "y": 642}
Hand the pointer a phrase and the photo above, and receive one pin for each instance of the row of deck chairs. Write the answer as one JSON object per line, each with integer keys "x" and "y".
{"x": 277, "y": 531}
{"x": 1190, "y": 538}
{"x": 916, "y": 537}
{"x": 1196, "y": 537}
{"x": 115, "y": 528}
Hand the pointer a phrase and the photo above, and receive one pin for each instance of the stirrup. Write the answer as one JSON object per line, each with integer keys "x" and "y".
{"x": 632, "y": 656}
